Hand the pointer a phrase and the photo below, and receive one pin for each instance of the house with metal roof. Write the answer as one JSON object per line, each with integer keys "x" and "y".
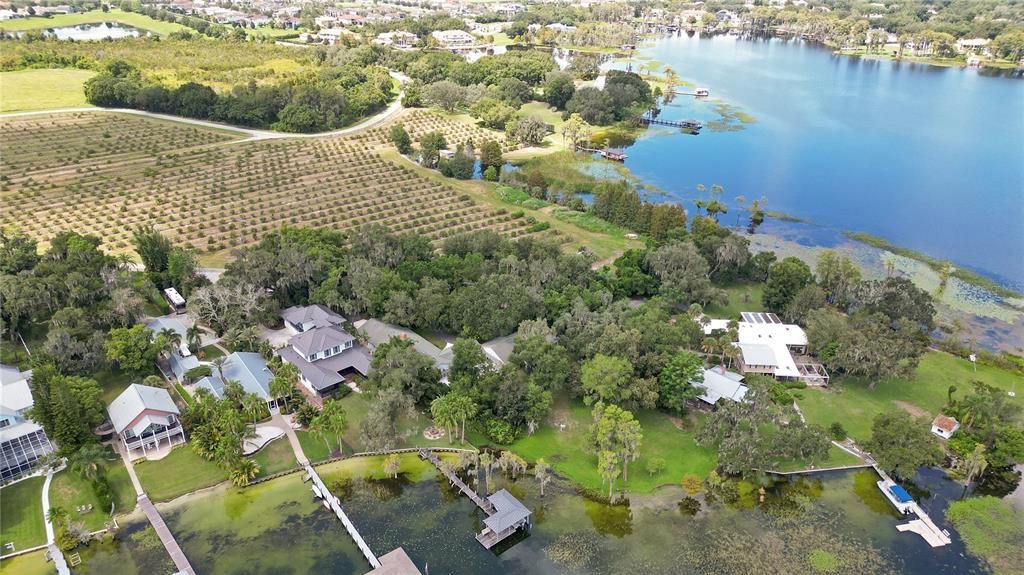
{"x": 22, "y": 441}
{"x": 768, "y": 346}
{"x": 181, "y": 360}
{"x": 378, "y": 333}
{"x": 720, "y": 384}
{"x": 248, "y": 369}
{"x": 145, "y": 417}
{"x": 326, "y": 355}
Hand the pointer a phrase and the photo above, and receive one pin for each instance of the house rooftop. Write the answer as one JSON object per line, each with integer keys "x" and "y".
{"x": 247, "y": 368}
{"x": 324, "y": 373}
{"x": 320, "y": 315}
{"x": 946, "y": 423}
{"x": 717, "y": 385}
{"x": 319, "y": 339}
{"x": 137, "y": 400}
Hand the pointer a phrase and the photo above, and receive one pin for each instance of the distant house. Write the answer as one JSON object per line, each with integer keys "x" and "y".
{"x": 248, "y": 369}
{"x": 145, "y": 417}
{"x": 718, "y": 385}
{"x": 454, "y": 38}
{"x": 945, "y": 426}
{"x": 767, "y": 346}
{"x": 22, "y": 441}
{"x": 325, "y": 354}
{"x": 181, "y": 360}
{"x": 333, "y": 35}
{"x": 397, "y": 39}
{"x": 973, "y": 46}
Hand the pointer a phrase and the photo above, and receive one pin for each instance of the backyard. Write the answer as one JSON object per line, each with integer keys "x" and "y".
{"x": 181, "y": 472}
{"x": 21, "y": 514}
{"x": 275, "y": 457}
{"x": 70, "y": 491}
{"x": 663, "y": 437}
{"x": 742, "y": 297}
{"x": 849, "y": 400}
{"x": 34, "y": 563}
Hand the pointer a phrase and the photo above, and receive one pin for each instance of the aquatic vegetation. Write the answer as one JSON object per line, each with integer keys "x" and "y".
{"x": 577, "y": 549}
{"x": 992, "y": 529}
{"x": 823, "y": 562}
{"x": 689, "y": 506}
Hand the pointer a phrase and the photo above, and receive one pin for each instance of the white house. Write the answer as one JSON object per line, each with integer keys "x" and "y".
{"x": 145, "y": 418}
{"x": 973, "y": 46}
{"x": 325, "y": 354}
{"x": 766, "y": 346}
{"x": 397, "y": 39}
{"x": 945, "y": 426}
{"x": 719, "y": 384}
{"x": 22, "y": 441}
{"x": 454, "y": 38}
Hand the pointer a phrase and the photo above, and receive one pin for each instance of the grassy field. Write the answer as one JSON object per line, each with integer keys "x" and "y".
{"x": 565, "y": 450}
{"x": 372, "y": 467}
{"x": 850, "y": 402}
{"x": 69, "y": 490}
{"x": 181, "y": 472}
{"x": 836, "y": 458}
{"x": 275, "y": 457}
{"x": 21, "y": 514}
{"x": 742, "y": 297}
{"x": 34, "y": 563}
{"x": 140, "y": 21}
{"x": 215, "y": 198}
{"x": 114, "y": 381}
{"x": 29, "y": 90}
{"x": 211, "y": 352}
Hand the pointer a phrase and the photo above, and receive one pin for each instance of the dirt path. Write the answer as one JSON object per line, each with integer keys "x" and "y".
{"x": 911, "y": 408}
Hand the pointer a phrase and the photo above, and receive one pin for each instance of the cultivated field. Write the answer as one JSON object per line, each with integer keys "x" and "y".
{"x": 107, "y": 173}
{"x": 457, "y": 130}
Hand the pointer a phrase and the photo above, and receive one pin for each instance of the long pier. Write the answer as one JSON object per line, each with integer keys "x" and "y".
{"x": 616, "y": 154}
{"x": 466, "y": 490}
{"x": 692, "y": 125}
{"x": 332, "y": 502}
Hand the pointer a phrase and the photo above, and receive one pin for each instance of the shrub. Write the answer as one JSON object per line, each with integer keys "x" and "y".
{"x": 305, "y": 414}
{"x": 539, "y": 227}
{"x": 518, "y": 214}
{"x": 500, "y": 431}
{"x": 655, "y": 465}
{"x": 837, "y": 431}
{"x": 101, "y": 489}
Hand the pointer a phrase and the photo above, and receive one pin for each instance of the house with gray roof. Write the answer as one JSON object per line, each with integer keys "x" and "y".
{"x": 378, "y": 333}
{"x": 181, "y": 360}
{"x": 719, "y": 384}
{"x": 22, "y": 441}
{"x": 144, "y": 417}
{"x": 248, "y": 369}
{"x": 302, "y": 318}
{"x": 325, "y": 354}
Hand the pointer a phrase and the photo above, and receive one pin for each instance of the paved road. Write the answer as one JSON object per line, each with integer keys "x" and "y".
{"x": 253, "y": 134}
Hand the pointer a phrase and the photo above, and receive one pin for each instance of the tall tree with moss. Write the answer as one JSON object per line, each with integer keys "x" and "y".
{"x": 901, "y": 443}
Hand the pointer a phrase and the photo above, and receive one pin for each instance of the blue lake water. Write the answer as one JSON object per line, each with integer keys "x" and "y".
{"x": 929, "y": 158}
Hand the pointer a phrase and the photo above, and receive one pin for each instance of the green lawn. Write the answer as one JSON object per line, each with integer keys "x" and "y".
{"x": 69, "y": 490}
{"x": 565, "y": 450}
{"x": 275, "y": 457}
{"x": 313, "y": 447}
{"x": 850, "y": 402}
{"x": 269, "y": 32}
{"x": 13, "y": 352}
{"x": 140, "y": 21}
{"x": 742, "y": 297}
{"x": 372, "y": 467}
{"x": 114, "y": 381}
{"x": 836, "y": 458}
{"x": 27, "y": 90}
{"x": 211, "y": 352}
{"x": 181, "y": 472}
{"x": 34, "y": 563}
{"x": 21, "y": 514}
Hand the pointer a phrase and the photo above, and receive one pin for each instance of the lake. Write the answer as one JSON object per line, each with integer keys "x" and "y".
{"x": 278, "y": 528}
{"x": 930, "y": 158}
{"x": 92, "y": 32}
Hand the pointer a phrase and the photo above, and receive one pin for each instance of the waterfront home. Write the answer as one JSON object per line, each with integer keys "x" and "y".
{"x": 180, "y": 360}
{"x": 325, "y": 354}
{"x": 248, "y": 369}
{"x": 22, "y": 441}
{"x": 973, "y": 46}
{"x": 398, "y": 39}
{"x": 146, "y": 419}
{"x": 720, "y": 384}
{"x": 766, "y": 346}
{"x": 945, "y": 426}
{"x": 454, "y": 38}
{"x": 378, "y": 333}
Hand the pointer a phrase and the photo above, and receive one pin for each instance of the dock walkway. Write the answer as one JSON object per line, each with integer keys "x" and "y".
{"x": 335, "y": 505}
{"x": 468, "y": 491}
{"x": 166, "y": 537}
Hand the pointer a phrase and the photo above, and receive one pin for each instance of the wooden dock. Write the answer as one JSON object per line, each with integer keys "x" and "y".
{"x": 616, "y": 154}
{"x": 506, "y": 515}
{"x": 691, "y": 125}
{"x": 332, "y": 502}
{"x": 166, "y": 537}
{"x": 466, "y": 490}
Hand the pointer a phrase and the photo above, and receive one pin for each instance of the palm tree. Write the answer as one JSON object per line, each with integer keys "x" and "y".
{"x": 252, "y": 405}
{"x": 244, "y": 471}
{"x": 218, "y": 362}
{"x": 234, "y": 392}
{"x": 283, "y": 383}
{"x": 171, "y": 338}
{"x": 442, "y": 409}
{"x": 725, "y": 346}
{"x": 335, "y": 420}
{"x": 88, "y": 461}
{"x": 57, "y": 515}
{"x": 194, "y": 337}
{"x": 464, "y": 409}
{"x": 542, "y": 471}
{"x": 709, "y": 346}
{"x": 974, "y": 465}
